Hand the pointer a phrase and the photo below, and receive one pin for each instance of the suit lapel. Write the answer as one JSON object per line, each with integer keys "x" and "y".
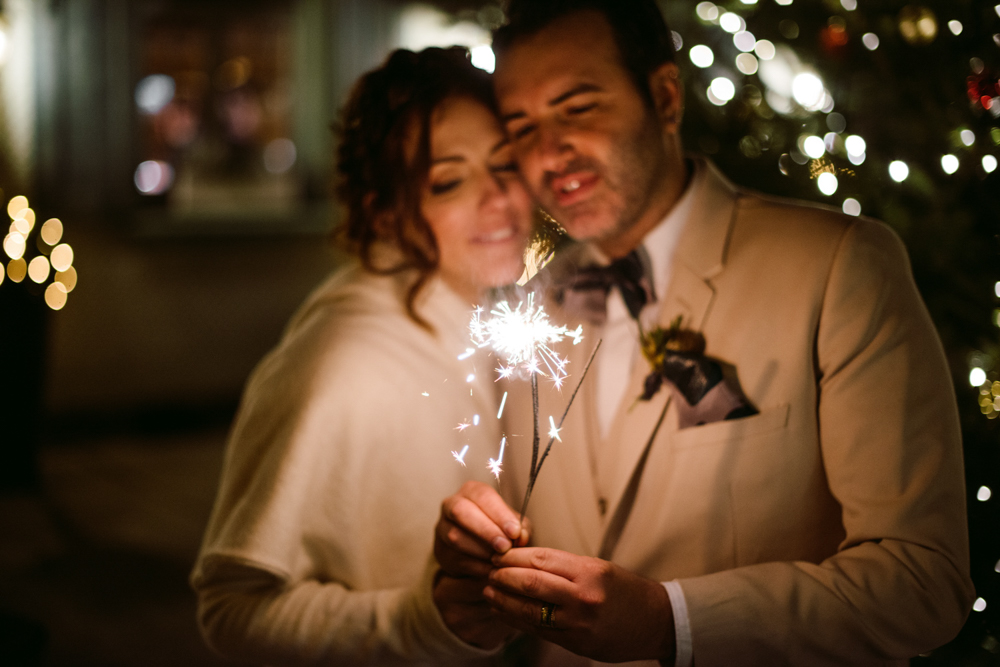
{"x": 699, "y": 258}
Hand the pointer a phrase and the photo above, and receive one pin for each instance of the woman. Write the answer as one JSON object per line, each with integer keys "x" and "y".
{"x": 318, "y": 549}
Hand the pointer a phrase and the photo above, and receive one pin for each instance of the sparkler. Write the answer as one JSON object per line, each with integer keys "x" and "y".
{"x": 496, "y": 465}
{"x": 523, "y": 337}
{"x": 460, "y": 457}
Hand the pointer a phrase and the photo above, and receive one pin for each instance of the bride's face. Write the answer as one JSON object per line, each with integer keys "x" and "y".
{"x": 474, "y": 200}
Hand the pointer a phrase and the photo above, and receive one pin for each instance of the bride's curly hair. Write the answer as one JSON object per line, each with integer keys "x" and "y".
{"x": 384, "y": 156}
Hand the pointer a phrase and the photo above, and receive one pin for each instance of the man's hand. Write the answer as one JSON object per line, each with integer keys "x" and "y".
{"x": 467, "y": 614}
{"x": 475, "y": 524}
{"x": 601, "y": 610}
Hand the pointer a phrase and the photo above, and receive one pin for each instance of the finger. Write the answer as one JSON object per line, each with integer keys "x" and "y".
{"x": 466, "y": 514}
{"x": 467, "y": 590}
{"x": 518, "y": 611}
{"x": 561, "y": 563}
{"x": 494, "y": 507}
{"x": 525, "y": 537}
{"x": 531, "y": 583}
{"x": 454, "y": 537}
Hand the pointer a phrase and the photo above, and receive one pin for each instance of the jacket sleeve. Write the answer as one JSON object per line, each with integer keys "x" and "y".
{"x": 247, "y": 612}
{"x": 899, "y": 583}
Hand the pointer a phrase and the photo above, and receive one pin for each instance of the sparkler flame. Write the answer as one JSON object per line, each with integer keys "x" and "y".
{"x": 554, "y": 431}
{"x": 460, "y": 457}
{"x": 496, "y": 465}
{"x": 522, "y": 336}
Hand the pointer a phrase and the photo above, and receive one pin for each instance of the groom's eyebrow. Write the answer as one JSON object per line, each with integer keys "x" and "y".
{"x": 559, "y": 99}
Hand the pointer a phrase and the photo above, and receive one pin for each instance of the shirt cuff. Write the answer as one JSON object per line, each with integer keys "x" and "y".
{"x": 682, "y": 624}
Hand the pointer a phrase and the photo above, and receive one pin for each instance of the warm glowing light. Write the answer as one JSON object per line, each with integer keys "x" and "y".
{"x": 503, "y": 402}
{"x": 38, "y": 269}
{"x": 523, "y": 336}
{"x": 977, "y": 376}
{"x": 870, "y": 40}
{"x": 783, "y": 2}
{"x": 732, "y": 22}
{"x": 17, "y": 269}
{"x": 153, "y": 177}
{"x": 849, "y": 5}
{"x": 61, "y": 257}
{"x": 949, "y": 163}
{"x": 746, "y": 63}
{"x": 955, "y": 27}
{"x": 749, "y": 2}
{"x": 25, "y": 220}
{"x": 983, "y": 494}
{"x": 16, "y": 205}
{"x": 898, "y": 171}
{"x": 917, "y": 25}
{"x": 989, "y": 164}
{"x": 496, "y": 465}
{"x": 744, "y": 41}
{"x": 808, "y": 90}
{"x": 979, "y": 604}
{"x": 279, "y": 156}
{"x": 852, "y": 206}
{"x": 707, "y": 11}
{"x": 14, "y": 245}
{"x": 553, "y": 429}
{"x": 484, "y": 58}
{"x": 55, "y": 296}
{"x": 68, "y": 278}
{"x": 460, "y": 456}
{"x": 52, "y": 231}
{"x": 701, "y": 56}
{"x": 968, "y": 137}
{"x": 764, "y": 49}
{"x": 814, "y": 147}
{"x": 721, "y": 91}
{"x": 827, "y": 183}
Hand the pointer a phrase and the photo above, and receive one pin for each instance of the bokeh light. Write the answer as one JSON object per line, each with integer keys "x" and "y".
{"x": 16, "y": 205}
{"x": 55, "y": 296}
{"x": 721, "y": 91}
{"x": 979, "y": 605}
{"x": 827, "y": 183}
{"x": 279, "y": 155}
{"x": 154, "y": 92}
{"x": 813, "y": 146}
{"x": 764, "y": 49}
{"x": 989, "y": 164}
{"x": 732, "y": 23}
{"x": 744, "y": 41}
{"x": 707, "y": 11}
{"x": 949, "y": 163}
{"x": 849, "y": 5}
{"x": 14, "y": 245}
{"x": 870, "y": 40}
{"x": 153, "y": 177}
{"x": 955, "y": 27}
{"x": 701, "y": 56}
{"x": 852, "y": 206}
{"x": 968, "y": 137}
{"x": 38, "y": 269}
{"x": 17, "y": 269}
{"x": 61, "y": 257}
{"x": 52, "y": 231}
{"x": 484, "y": 58}
{"x": 808, "y": 90}
{"x": 746, "y": 63}
{"x": 898, "y": 171}
{"x": 983, "y": 494}
{"x": 977, "y": 376}
{"x": 68, "y": 278}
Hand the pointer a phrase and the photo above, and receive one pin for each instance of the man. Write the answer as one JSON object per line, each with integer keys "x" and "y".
{"x": 828, "y": 528}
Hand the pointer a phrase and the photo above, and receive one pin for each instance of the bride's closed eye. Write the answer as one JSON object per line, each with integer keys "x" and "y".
{"x": 443, "y": 187}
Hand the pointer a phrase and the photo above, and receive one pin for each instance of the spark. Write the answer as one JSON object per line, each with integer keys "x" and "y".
{"x": 554, "y": 431}
{"x": 424, "y": 393}
{"x": 496, "y": 465}
{"x": 461, "y": 427}
{"x": 523, "y": 336}
{"x": 470, "y": 377}
{"x": 460, "y": 457}
{"x": 469, "y": 351}
{"x": 503, "y": 402}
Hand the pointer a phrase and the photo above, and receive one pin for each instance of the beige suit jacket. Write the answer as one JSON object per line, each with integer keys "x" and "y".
{"x": 830, "y": 528}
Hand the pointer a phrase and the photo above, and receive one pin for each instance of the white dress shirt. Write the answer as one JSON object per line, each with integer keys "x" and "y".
{"x": 620, "y": 353}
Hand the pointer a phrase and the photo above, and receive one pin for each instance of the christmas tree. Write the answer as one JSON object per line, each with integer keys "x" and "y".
{"x": 891, "y": 110}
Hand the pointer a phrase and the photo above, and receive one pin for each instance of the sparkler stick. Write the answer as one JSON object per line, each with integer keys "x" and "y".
{"x": 535, "y": 469}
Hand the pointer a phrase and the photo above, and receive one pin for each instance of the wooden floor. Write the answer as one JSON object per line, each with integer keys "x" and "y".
{"x": 97, "y": 561}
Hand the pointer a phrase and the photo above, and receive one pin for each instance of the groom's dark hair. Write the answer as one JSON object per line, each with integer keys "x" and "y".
{"x": 641, "y": 34}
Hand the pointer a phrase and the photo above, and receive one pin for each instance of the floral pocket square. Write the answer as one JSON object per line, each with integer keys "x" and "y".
{"x": 706, "y": 389}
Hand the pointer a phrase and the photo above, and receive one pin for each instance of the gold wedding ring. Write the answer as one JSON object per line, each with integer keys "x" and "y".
{"x": 548, "y": 615}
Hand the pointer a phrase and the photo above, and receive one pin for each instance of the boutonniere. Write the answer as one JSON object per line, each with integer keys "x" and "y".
{"x": 707, "y": 389}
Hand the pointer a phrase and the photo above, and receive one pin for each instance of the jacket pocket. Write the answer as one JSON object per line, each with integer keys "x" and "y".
{"x": 768, "y": 421}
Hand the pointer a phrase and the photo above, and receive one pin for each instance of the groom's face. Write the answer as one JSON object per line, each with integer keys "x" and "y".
{"x": 588, "y": 143}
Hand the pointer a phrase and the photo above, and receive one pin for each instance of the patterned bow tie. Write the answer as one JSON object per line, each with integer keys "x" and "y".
{"x": 586, "y": 291}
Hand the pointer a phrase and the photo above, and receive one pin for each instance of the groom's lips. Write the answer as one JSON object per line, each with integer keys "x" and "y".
{"x": 571, "y": 188}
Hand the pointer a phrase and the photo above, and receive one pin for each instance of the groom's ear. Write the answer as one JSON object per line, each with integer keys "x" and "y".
{"x": 668, "y": 96}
